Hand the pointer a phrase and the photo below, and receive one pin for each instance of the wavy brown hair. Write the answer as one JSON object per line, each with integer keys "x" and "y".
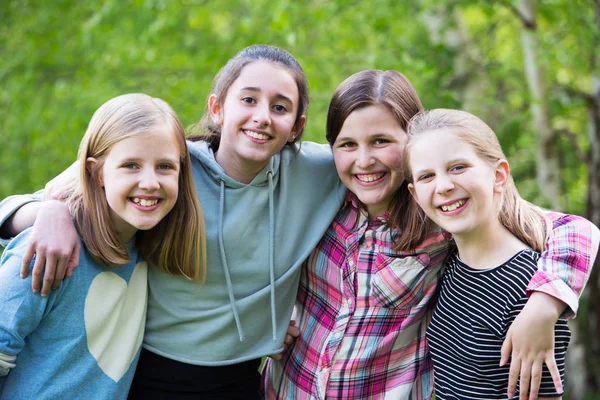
{"x": 395, "y": 92}
{"x": 177, "y": 243}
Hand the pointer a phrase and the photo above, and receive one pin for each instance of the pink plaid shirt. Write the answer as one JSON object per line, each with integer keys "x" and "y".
{"x": 362, "y": 308}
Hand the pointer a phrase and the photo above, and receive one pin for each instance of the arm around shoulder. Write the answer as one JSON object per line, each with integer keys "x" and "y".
{"x": 17, "y": 213}
{"x": 566, "y": 265}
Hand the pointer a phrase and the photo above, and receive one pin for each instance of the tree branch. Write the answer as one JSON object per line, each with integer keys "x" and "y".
{"x": 577, "y": 93}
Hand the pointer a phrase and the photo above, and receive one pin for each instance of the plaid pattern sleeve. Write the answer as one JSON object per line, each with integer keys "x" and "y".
{"x": 566, "y": 265}
{"x": 362, "y": 311}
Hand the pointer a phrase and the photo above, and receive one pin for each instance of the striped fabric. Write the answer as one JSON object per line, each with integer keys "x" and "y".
{"x": 474, "y": 310}
{"x": 362, "y": 310}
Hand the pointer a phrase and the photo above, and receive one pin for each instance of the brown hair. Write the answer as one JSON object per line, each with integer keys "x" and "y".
{"x": 392, "y": 90}
{"x": 177, "y": 243}
{"x": 521, "y": 218}
{"x": 207, "y": 130}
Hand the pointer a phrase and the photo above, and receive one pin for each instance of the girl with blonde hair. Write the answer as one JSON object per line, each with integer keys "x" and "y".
{"x": 460, "y": 177}
{"x": 135, "y": 199}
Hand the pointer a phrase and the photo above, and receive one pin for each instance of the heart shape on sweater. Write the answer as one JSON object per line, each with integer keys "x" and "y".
{"x": 115, "y": 317}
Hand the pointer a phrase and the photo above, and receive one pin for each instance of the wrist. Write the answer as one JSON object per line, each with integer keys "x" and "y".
{"x": 547, "y": 306}
{"x": 54, "y": 206}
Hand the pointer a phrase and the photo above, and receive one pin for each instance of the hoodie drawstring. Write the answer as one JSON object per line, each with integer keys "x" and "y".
{"x": 271, "y": 259}
{"x": 225, "y": 266}
{"x": 271, "y": 254}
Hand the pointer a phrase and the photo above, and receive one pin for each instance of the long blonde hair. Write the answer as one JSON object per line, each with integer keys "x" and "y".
{"x": 177, "y": 243}
{"x": 521, "y": 218}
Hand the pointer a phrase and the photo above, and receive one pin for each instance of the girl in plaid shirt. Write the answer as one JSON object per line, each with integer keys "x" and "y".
{"x": 364, "y": 298}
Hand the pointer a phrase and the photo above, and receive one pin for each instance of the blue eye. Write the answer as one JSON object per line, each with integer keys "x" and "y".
{"x": 165, "y": 166}
{"x": 381, "y": 141}
{"x": 129, "y": 166}
{"x": 425, "y": 177}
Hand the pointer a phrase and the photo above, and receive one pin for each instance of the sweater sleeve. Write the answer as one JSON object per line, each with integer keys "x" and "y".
{"x": 21, "y": 311}
{"x": 11, "y": 204}
{"x": 565, "y": 267}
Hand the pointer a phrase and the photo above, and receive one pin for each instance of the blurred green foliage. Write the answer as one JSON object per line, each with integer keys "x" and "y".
{"x": 60, "y": 60}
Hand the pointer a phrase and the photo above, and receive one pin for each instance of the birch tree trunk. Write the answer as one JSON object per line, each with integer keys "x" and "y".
{"x": 547, "y": 154}
{"x": 593, "y": 322}
{"x": 467, "y": 77}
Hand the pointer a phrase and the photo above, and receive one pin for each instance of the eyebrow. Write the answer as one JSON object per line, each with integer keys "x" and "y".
{"x": 139, "y": 159}
{"x": 257, "y": 89}
{"x": 376, "y": 135}
{"x": 452, "y": 161}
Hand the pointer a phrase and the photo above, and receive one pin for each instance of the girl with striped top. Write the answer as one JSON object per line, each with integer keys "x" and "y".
{"x": 459, "y": 176}
{"x": 366, "y": 290}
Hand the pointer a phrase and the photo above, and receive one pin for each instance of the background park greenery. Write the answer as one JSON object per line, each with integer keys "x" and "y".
{"x": 61, "y": 60}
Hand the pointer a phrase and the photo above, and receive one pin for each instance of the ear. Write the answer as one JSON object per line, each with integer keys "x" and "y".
{"x": 502, "y": 176}
{"x": 90, "y": 165}
{"x": 297, "y": 128}
{"x": 411, "y": 189}
{"x": 215, "y": 110}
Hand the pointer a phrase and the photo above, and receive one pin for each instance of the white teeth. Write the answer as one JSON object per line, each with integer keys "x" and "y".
{"x": 256, "y": 135}
{"x": 453, "y": 207}
{"x": 370, "y": 177}
{"x": 144, "y": 202}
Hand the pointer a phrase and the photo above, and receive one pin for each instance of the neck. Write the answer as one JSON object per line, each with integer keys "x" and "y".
{"x": 237, "y": 169}
{"x": 125, "y": 237}
{"x": 488, "y": 247}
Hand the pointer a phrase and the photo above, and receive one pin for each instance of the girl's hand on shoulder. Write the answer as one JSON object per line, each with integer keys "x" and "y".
{"x": 292, "y": 334}
{"x": 530, "y": 343}
{"x": 55, "y": 245}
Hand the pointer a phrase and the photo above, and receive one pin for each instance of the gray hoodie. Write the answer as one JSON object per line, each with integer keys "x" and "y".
{"x": 258, "y": 236}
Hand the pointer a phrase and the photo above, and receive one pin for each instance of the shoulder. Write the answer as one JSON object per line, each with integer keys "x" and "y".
{"x": 199, "y": 149}
{"x": 569, "y": 226}
{"x": 524, "y": 259}
{"x": 308, "y": 153}
{"x": 10, "y": 267}
{"x": 17, "y": 246}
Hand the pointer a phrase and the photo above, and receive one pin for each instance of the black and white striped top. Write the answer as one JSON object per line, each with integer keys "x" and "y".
{"x": 473, "y": 313}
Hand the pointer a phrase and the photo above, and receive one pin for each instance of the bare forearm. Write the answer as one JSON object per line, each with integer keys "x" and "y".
{"x": 546, "y": 306}
{"x": 22, "y": 219}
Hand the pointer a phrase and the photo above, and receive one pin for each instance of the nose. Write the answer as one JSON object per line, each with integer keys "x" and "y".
{"x": 365, "y": 158}
{"x": 262, "y": 115}
{"x": 444, "y": 184}
{"x": 149, "y": 180}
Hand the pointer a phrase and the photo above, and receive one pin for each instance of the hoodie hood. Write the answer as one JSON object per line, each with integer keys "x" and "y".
{"x": 202, "y": 151}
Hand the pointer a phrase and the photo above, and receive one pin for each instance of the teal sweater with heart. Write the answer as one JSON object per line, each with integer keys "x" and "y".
{"x": 82, "y": 341}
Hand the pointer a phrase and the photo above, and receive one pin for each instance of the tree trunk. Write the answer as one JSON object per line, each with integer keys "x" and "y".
{"x": 547, "y": 154}
{"x": 467, "y": 78}
{"x": 593, "y": 323}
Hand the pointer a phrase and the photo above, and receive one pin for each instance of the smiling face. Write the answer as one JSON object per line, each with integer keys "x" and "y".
{"x": 458, "y": 190}
{"x": 367, "y": 154}
{"x": 257, "y": 118}
{"x": 140, "y": 176}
